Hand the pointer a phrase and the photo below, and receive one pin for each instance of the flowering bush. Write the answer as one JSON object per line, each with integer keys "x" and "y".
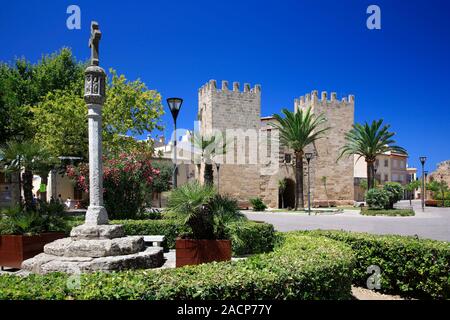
{"x": 127, "y": 183}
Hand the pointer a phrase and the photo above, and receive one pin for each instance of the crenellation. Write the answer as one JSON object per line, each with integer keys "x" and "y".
{"x": 333, "y": 96}
{"x": 212, "y": 84}
{"x": 235, "y": 86}
{"x": 246, "y": 87}
{"x": 324, "y": 96}
{"x": 224, "y": 85}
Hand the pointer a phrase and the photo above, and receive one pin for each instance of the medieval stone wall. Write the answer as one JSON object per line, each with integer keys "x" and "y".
{"x": 338, "y": 184}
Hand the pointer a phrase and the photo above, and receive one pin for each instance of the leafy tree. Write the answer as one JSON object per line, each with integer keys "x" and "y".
{"x": 297, "y": 130}
{"x": 411, "y": 187}
{"x": 395, "y": 191}
{"x": 369, "y": 141}
{"x": 29, "y": 158}
{"x": 438, "y": 186}
{"x": 23, "y": 84}
{"x": 161, "y": 182}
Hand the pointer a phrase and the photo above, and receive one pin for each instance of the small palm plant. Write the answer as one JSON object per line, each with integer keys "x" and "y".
{"x": 297, "y": 130}
{"x": 369, "y": 141}
{"x": 210, "y": 147}
{"x": 206, "y": 213}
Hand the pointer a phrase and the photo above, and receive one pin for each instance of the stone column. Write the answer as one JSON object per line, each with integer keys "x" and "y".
{"x": 94, "y": 97}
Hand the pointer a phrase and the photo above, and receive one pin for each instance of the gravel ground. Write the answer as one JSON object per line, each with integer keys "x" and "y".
{"x": 366, "y": 294}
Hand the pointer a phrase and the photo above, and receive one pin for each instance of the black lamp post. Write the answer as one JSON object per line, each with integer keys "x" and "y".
{"x": 308, "y": 157}
{"x": 218, "y": 177}
{"x": 422, "y": 161}
{"x": 175, "y": 106}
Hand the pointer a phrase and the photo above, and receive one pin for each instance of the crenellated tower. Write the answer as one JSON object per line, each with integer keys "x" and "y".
{"x": 339, "y": 174}
{"x": 228, "y": 108}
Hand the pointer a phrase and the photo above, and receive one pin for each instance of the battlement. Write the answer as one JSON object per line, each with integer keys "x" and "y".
{"x": 211, "y": 86}
{"x": 313, "y": 97}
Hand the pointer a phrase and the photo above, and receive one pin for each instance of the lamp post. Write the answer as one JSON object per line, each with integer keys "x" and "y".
{"x": 218, "y": 177}
{"x": 422, "y": 161}
{"x": 175, "y": 106}
{"x": 308, "y": 157}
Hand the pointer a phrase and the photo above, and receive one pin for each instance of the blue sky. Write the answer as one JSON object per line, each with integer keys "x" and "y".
{"x": 400, "y": 73}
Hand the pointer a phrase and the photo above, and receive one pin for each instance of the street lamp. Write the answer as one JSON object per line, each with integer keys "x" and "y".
{"x": 218, "y": 177}
{"x": 422, "y": 161}
{"x": 308, "y": 157}
{"x": 174, "y": 106}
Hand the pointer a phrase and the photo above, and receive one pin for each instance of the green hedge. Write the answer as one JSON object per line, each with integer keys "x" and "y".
{"x": 409, "y": 266}
{"x": 301, "y": 267}
{"x": 255, "y": 237}
{"x": 387, "y": 212}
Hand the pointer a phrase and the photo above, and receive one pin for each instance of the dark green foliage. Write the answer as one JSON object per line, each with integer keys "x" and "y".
{"x": 301, "y": 268}
{"x": 254, "y": 237}
{"x": 388, "y": 212}
{"x": 258, "y": 204}
{"x": 395, "y": 190}
{"x": 409, "y": 266}
{"x": 47, "y": 217}
{"x": 377, "y": 199}
{"x": 161, "y": 182}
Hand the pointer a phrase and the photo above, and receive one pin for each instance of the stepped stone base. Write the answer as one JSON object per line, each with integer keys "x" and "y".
{"x": 44, "y": 263}
{"x": 92, "y": 248}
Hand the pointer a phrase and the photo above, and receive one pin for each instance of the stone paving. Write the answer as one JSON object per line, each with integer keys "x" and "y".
{"x": 434, "y": 223}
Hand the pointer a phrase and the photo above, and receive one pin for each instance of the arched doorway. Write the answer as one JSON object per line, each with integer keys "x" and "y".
{"x": 287, "y": 198}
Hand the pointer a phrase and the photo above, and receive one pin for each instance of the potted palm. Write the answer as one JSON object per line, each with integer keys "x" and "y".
{"x": 206, "y": 215}
{"x": 24, "y": 233}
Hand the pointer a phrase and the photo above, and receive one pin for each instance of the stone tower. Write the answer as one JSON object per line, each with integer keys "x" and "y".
{"x": 236, "y": 113}
{"x": 339, "y": 174}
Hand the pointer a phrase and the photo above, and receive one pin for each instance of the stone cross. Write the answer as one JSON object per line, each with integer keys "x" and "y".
{"x": 94, "y": 96}
{"x": 94, "y": 42}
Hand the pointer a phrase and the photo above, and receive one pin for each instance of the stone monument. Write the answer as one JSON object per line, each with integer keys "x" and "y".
{"x": 96, "y": 245}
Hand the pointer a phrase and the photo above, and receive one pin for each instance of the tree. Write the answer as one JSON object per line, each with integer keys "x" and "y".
{"x": 161, "y": 182}
{"x": 395, "y": 191}
{"x": 411, "y": 187}
{"x": 209, "y": 147}
{"x": 436, "y": 187}
{"x": 26, "y": 157}
{"x": 297, "y": 130}
{"x": 24, "y": 85}
{"x": 369, "y": 141}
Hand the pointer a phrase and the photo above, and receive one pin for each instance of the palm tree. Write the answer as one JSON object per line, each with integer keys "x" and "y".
{"x": 370, "y": 141}
{"x": 27, "y": 157}
{"x": 297, "y": 130}
{"x": 210, "y": 147}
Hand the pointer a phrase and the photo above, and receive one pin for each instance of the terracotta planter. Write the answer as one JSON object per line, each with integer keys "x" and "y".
{"x": 193, "y": 252}
{"x": 14, "y": 249}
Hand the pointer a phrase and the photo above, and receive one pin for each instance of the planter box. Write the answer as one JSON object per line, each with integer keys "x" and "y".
{"x": 14, "y": 249}
{"x": 193, "y": 252}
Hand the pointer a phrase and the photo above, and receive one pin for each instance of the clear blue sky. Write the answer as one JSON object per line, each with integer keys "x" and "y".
{"x": 400, "y": 73}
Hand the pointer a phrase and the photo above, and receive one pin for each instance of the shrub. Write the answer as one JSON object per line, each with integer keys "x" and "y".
{"x": 252, "y": 237}
{"x": 127, "y": 182}
{"x": 46, "y": 217}
{"x": 258, "y": 204}
{"x": 388, "y": 212}
{"x": 395, "y": 191}
{"x": 377, "y": 199}
{"x": 409, "y": 266}
{"x": 300, "y": 268}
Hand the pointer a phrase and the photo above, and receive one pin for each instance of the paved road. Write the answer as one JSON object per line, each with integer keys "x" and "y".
{"x": 434, "y": 223}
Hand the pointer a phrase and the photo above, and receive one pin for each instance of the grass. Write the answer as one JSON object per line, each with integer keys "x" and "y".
{"x": 388, "y": 212}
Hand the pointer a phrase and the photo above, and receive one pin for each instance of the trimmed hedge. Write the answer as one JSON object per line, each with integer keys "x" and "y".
{"x": 388, "y": 212}
{"x": 409, "y": 266}
{"x": 256, "y": 237}
{"x": 301, "y": 267}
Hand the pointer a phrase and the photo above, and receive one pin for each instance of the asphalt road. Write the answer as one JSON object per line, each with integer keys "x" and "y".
{"x": 434, "y": 223}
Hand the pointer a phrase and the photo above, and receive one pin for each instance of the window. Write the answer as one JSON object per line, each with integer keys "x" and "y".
{"x": 386, "y": 163}
{"x": 386, "y": 177}
{"x": 377, "y": 163}
{"x": 395, "y": 177}
{"x": 287, "y": 158}
{"x": 2, "y": 177}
